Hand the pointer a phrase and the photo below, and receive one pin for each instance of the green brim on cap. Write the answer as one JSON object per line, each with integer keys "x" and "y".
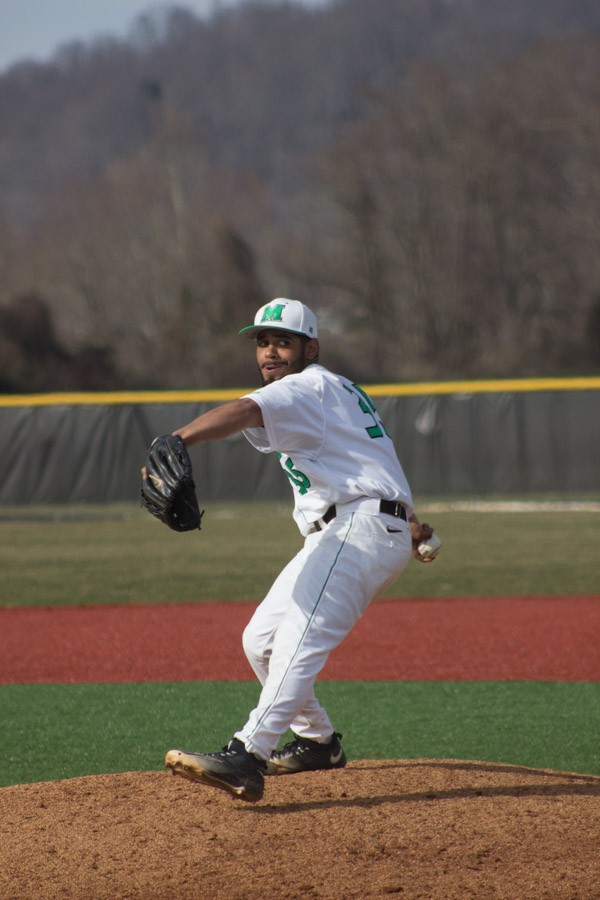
{"x": 251, "y": 330}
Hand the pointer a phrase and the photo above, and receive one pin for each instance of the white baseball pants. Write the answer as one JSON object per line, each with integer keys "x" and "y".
{"x": 311, "y": 607}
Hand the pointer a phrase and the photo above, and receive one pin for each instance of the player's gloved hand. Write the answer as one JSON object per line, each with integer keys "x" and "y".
{"x": 168, "y": 489}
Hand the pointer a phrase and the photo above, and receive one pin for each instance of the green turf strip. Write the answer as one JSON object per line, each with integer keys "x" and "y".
{"x": 61, "y": 731}
{"x": 123, "y": 555}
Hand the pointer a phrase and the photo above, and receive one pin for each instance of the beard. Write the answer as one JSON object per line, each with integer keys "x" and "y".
{"x": 292, "y": 367}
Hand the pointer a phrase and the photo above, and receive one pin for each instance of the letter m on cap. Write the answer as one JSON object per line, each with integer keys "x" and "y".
{"x": 273, "y": 313}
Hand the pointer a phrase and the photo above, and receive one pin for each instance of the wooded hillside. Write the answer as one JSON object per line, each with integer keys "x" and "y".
{"x": 423, "y": 173}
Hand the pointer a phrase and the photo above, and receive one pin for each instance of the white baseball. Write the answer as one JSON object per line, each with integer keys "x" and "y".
{"x": 431, "y": 547}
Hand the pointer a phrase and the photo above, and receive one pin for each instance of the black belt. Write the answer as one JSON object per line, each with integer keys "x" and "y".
{"x": 389, "y": 507}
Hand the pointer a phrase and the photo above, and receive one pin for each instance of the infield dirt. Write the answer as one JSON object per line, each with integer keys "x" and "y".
{"x": 418, "y": 829}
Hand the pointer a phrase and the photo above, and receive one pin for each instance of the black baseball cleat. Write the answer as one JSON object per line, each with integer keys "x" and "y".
{"x": 302, "y": 755}
{"x": 233, "y": 769}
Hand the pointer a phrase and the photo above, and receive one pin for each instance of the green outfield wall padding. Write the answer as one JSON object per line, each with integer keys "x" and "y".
{"x": 62, "y": 449}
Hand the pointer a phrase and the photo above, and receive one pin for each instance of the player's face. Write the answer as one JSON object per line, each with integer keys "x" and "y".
{"x": 281, "y": 353}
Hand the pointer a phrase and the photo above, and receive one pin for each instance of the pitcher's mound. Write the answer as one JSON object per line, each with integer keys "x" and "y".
{"x": 415, "y": 828}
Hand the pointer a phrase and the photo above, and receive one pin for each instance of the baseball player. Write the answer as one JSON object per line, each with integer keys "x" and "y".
{"x": 353, "y": 505}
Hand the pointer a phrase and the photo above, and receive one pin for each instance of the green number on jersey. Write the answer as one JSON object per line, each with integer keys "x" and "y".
{"x": 298, "y": 479}
{"x": 376, "y": 430}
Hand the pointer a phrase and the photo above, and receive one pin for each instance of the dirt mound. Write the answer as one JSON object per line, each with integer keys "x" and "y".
{"x": 418, "y": 828}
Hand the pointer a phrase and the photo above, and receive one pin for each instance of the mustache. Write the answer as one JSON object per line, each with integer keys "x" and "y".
{"x": 266, "y": 375}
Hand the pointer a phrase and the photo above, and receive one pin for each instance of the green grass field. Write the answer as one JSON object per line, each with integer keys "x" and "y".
{"x": 90, "y": 555}
{"x": 62, "y": 731}
{"x": 57, "y": 556}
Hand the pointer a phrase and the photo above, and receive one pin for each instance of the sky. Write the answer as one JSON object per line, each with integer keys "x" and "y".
{"x": 34, "y": 29}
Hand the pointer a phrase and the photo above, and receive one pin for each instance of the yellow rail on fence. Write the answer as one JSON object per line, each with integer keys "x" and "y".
{"x": 375, "y": 390}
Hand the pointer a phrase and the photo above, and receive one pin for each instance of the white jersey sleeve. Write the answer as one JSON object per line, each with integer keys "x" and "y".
{"x": 330, "y": 441}
{"x": 293, "y": 416}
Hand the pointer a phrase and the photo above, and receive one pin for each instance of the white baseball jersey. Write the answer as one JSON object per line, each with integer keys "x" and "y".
{"x": 331, "y": 443}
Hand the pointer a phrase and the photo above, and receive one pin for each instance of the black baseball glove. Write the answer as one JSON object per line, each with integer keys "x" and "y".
{"x": 168, "y": 489}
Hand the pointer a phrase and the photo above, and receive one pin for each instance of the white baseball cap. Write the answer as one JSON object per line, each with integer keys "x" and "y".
{"x": 288, "y": 315}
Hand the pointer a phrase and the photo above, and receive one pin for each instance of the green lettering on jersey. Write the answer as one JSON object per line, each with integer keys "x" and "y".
{"x": 298, "y": 479}
{"x": 367, "y": 406}
{"x": 273, "y": 313}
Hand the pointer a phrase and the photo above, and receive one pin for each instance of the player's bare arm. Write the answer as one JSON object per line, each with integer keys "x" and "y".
{"x": 222, "y": 422}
